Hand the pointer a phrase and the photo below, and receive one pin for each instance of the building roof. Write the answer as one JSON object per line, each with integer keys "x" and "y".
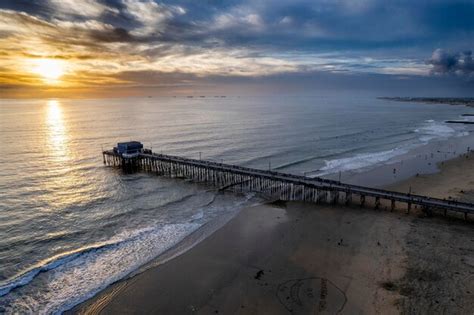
{"x": 130, "y": 143}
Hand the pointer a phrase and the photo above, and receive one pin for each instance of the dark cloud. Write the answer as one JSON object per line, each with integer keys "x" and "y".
{"x": 114, "y": 35}
{"x": 460, "y": 63}
{"x": 355, "y": 36}
{"x": 307, "y": 24}
{"x": 327, "y": 25}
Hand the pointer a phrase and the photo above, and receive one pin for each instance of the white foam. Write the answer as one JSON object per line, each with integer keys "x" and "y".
{"x": 82, "y": 277}
{"x": 359, "y": 161}
{"x": 462, "y": 134}
{"x": 49, "y": 264}
{"x": 430, "y": 130}
{"x": 198, "y": 215}
{"x": 435, "y": 130}
{"x": 67, "y": 280}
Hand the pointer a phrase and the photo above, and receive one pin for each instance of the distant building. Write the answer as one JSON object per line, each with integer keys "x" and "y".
{"x": 129, "y": 149}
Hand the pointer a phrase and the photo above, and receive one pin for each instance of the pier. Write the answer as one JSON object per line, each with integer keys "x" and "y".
{"x": 276, "y": 185}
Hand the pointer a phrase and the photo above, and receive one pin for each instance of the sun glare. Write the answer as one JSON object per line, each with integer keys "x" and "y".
{"x": 50, "y": 70}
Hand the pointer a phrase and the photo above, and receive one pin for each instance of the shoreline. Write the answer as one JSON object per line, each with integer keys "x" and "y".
{"x": 423, "y": 159}
{"x": 390, "y": 291}
{"x": 211, "y": 265}
{"x": 454, "y": 101}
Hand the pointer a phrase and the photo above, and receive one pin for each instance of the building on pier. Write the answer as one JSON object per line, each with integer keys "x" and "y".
{"x": 129, "y": 149}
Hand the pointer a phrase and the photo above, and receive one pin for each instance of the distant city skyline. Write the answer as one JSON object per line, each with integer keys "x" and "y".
{"x": 66, "y": 48}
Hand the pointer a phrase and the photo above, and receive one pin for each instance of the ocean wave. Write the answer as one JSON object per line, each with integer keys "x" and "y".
{"x": 300, "y": 161}
{"x": 432, "y": 130}
{"x": 41, "y": 239}
{"x": 27, "y": 276}
{"x": 359, "y": 161}
{"x": 462, "y": 134}
{"x": 370, "y": 132}
{"x": 265, "y": 158}
{"x": 78, "y": 275}
{"x": 63, "y": 281}
{"x": 429, "y": 131}
{"x": 57, "y": 260}
{"x": 181, "y": 199}
{"x": 324, "y": 156}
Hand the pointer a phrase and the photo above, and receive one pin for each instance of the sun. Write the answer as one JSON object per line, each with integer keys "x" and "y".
{"x": 50, "y": 70}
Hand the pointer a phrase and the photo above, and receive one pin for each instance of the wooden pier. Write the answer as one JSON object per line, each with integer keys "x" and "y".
{"x": 275, "y": 185}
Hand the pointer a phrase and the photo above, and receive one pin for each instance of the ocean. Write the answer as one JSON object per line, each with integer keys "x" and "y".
{"x": 69, "y": 226}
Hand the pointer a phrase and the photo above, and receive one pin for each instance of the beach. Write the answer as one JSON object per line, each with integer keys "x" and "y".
{"x": 73, "y": 227}
{"x": 305, "y": 258}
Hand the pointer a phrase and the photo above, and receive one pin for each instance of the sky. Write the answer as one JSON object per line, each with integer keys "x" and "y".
{"x": 106, "y": 48}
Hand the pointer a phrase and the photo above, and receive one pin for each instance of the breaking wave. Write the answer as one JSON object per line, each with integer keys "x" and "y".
{"x": 431, "y": 130}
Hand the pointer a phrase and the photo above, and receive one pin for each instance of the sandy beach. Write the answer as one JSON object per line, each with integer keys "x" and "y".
{"x": 303, "y": 258}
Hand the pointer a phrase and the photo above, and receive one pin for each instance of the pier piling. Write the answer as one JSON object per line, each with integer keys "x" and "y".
{"x": 273, "y": 184}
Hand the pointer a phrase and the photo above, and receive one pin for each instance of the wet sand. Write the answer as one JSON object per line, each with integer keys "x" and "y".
{"x": 305, "y": 258}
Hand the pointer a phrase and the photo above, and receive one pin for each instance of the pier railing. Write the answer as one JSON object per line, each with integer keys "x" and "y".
{"x": 278, "y": 185}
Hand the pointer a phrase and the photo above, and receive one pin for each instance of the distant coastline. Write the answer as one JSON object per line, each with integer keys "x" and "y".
{"x": 467, "y": 101}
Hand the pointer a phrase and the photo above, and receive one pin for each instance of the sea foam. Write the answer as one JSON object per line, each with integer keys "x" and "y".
{"x": 359, "y": 161}
{"x": 435, "y": 130}
{"x": 429, "y": 131}
{"x": 65, "y": 282}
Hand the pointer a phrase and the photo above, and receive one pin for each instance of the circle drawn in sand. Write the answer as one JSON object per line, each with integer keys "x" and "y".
{"x": 311, "y": 296}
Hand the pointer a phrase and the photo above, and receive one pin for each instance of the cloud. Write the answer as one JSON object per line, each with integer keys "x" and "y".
{"x": 459, "y": 63}
{"x": 238, "y": 18}
{"x": 153, "y": 16}
{"x": 129, "y": 39}
{"x": 89, "y": 8}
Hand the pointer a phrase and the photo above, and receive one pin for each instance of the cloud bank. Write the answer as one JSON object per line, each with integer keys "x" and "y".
{"x": 120, "y": 42}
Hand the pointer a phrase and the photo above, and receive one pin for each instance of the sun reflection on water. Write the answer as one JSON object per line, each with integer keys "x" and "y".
{"x": 67, "y": 183}
{"x": 56, "y": 131}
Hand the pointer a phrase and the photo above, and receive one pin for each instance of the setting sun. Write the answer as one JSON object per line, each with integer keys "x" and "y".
{"x": 49, "y": 69}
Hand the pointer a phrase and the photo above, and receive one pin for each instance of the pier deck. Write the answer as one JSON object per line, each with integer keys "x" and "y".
{"x": 277, "y": 185}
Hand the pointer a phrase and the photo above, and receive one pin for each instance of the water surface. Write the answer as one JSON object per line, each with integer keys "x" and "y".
{"x": 70, "y": 226}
